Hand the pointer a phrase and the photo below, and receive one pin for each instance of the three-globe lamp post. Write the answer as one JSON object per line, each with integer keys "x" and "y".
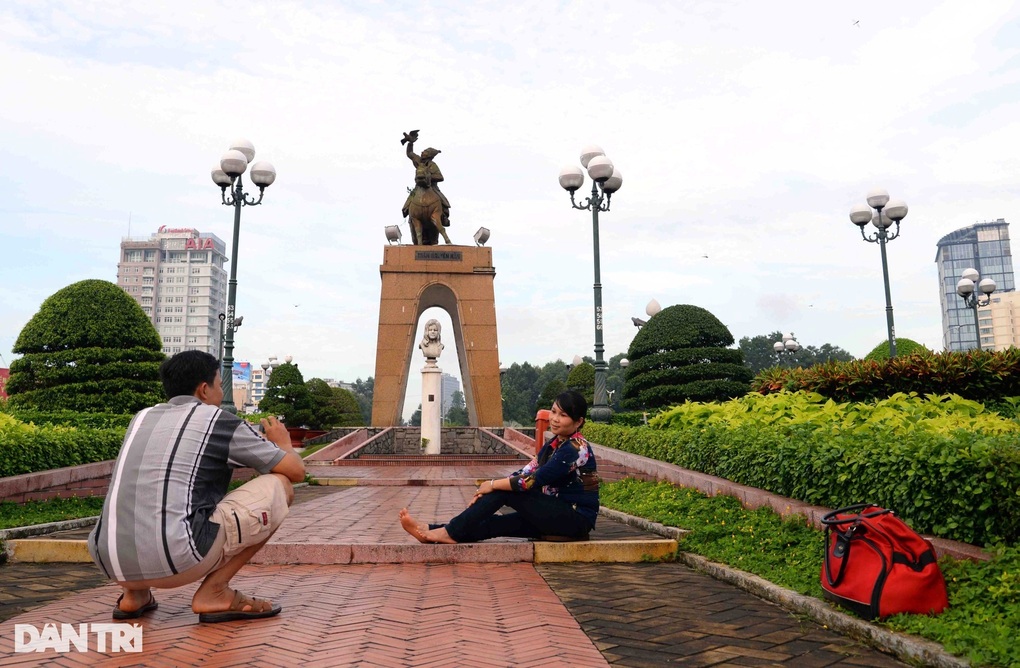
{"x": 606, "y": 180}
{"x": 969, "y": 280}
{"x": 227, "y": 174}
{"x": 882, "y": 213}
{"x": 788, "y": 346}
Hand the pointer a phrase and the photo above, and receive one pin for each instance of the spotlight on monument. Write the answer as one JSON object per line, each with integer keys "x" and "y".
{"x": 481, "y": 236}
{"x": 393, "y": 234}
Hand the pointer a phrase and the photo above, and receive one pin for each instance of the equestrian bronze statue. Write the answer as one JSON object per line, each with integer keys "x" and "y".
{"x": 426, "y": 207}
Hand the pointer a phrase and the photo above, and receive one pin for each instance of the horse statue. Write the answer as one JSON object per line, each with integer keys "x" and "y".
{"x": 425, "y": 209}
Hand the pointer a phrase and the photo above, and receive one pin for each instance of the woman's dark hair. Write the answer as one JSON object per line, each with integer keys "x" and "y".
{"x": 573, "y": 404}
{"x": 185, "y": 371}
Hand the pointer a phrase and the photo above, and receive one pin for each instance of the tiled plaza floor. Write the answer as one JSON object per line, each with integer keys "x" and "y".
{"x": 457, "y": 614}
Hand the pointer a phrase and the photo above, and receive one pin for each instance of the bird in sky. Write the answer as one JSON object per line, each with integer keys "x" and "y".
{"x": 857, "y": 23}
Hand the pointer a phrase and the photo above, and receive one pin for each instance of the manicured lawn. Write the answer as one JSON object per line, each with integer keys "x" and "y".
{"x": 981, "y": 624}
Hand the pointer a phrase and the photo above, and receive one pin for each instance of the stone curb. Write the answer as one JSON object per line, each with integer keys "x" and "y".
{"x": 904, "y": 647}
{"x": 63, "y": 525}
{"x": 646, "y": 525}
{"x": 49, "y": 527}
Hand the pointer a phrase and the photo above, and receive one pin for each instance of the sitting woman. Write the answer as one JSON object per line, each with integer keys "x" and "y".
{"x": 556, "y": 495}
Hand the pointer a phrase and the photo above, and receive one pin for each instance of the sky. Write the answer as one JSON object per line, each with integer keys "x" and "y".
{"x": 744, "y": 133}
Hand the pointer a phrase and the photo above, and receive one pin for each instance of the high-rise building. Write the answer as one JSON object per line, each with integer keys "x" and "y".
{"x": 177, "y": 277}
{"x": 1000, "y": 321}
{"x": 447, "y": 386}
{"x": 982, "y": 246}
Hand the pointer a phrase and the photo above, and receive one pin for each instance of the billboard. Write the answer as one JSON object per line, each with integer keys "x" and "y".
{"x": 242, "y": 372}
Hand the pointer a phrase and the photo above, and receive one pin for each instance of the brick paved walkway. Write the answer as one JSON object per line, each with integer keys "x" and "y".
{"x": 457, "y": 614}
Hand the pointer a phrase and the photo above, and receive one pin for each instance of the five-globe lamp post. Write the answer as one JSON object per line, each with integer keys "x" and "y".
{"x": 969, "y": 280}
{"x": 606, "y": 180}
{"x": 886, "y": 212}
{"x": 227, "y": 174}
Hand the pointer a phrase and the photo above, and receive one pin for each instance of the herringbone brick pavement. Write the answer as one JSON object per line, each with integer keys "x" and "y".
{"x": 361, "y": 615}
{"x": 670, "y": 615}
{"x": 579, "y": 615}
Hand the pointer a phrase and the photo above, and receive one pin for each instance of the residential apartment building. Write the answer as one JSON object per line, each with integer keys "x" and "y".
{"x": 177, "y": 277}
{"x": 1000, "y": 321}
{"x": 982, "y": 246}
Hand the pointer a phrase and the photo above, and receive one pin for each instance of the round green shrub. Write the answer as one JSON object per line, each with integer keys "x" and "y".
{"x": 904, "y": 348}
{"x": 90, "y": 348}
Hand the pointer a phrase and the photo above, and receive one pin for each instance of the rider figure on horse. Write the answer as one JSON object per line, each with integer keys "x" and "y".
{"x": 425, "y": 160}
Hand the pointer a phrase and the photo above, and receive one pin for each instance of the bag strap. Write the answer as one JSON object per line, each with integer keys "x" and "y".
{"x": 827, "y": 566}
{"x": 832, "y": 519}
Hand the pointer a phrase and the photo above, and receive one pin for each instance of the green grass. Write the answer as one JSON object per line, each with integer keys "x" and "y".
{"x": 53, "y": 510}
{"x": 981, "y": 624}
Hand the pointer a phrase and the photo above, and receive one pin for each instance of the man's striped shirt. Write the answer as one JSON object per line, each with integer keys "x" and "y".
{"x": 173, "y": 469}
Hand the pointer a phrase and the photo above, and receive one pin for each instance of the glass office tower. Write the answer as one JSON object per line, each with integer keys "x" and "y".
{"x": 985, "y": 247}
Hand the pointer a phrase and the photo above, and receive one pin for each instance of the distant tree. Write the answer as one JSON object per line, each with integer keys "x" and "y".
{"x": 904, "y": 347}
{"x": 287, "y": 396}
{"x": 520, "y": 391}
{"x": 415, "y": 420}
{"x": 760, "y": 355}
{"x": 582, "y": 379}
{"x": 682, "y": 354}
{"x": 363, "y": 391}
{"x": 325, "y": 413}
{"x": 457, "y": 414}
{"x": 349, "y": 408}
{"x": 551, "y": 390}
{"x": 90, "y": 348}
{"x": 332, "y": 406}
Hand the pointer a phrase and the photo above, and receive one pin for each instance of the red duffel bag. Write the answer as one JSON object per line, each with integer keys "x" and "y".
{"x": 877, "y": 566}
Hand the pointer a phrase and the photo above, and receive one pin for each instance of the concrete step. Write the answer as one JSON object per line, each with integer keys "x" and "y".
{"x": 44, "y": 550}
{"x": 423, "y": 460}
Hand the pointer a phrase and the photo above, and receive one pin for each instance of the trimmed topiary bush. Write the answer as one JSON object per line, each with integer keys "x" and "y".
{"x": 904, "y": 348}
{"x": 90, "y": 348}
{"x": 681, "y": 355}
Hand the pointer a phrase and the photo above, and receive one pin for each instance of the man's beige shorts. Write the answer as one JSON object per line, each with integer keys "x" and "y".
{"x": 250, "y": 514}
{"x": 247, "y": 516}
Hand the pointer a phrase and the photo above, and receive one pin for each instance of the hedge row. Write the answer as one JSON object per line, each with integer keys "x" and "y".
{"x": 72, "y": 418}
{"x": 980, "y": 375}
{"x": 27, "y": 448}
{"x": 962, "y": 486}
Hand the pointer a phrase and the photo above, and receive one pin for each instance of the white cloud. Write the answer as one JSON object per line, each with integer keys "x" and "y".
{"x": 744, "y": 132}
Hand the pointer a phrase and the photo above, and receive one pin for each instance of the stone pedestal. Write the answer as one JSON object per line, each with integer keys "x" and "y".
{"x": 431, "y": 420}
{"x": 459, "y": 280}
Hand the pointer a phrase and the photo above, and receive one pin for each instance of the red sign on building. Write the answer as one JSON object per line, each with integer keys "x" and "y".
{"x": 4, "y": 375}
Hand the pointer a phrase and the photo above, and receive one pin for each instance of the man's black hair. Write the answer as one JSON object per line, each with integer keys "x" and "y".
{"x": 185, "y": 371}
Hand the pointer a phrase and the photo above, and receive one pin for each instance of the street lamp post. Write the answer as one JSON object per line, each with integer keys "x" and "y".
{"x": 606, "y": 180}
{"x": 650, "y": 310}
{"x": 886, "y": 213}
{"x": 219, "y": 344}
{"x": 965, "y": 288}
{"x": 787, "y": 346}
{"x": 228, "y": 174}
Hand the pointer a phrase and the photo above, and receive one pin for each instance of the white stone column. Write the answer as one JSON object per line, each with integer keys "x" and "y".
{"x": 431, "y": 420}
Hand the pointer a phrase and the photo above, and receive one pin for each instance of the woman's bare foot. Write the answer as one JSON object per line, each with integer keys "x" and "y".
{"x": 412, "y": 527}
{"x": 421, "y": 532}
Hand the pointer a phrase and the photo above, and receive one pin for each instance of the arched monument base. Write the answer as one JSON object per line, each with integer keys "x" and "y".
{"x": 459, "y": 280}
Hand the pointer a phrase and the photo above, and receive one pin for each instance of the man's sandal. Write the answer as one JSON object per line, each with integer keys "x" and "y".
{"x": 258, "y": 609}
{"x": 134, "y": 614}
